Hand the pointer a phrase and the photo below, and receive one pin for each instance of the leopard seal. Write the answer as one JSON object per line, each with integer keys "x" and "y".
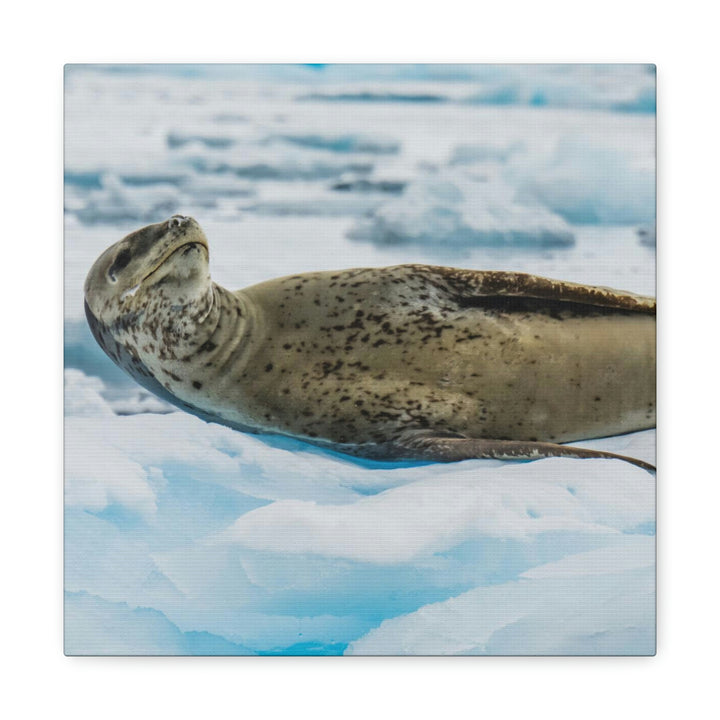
{"x": 412, "y": 362}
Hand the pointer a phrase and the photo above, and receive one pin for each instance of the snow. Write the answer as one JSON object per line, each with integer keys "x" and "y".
{"x": 462, "y": 210}
{"x": 462, "y": 503}
{"x": 94, "y": 626}
{"x": 116, "y": 202}
{"x": 591, "y": 183}
{"x": 598, "y": 602}
{"x": 183, "y": 537}
{"x": 344, "y": 143}
{"x": 220, "y": 531}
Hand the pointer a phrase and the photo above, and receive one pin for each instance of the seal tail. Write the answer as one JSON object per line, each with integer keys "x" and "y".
{"x": 452, "y": 448}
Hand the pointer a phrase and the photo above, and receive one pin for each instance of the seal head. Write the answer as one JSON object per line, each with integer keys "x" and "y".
{"x": 146, "y": 296}
{"x": 172, "y": 255}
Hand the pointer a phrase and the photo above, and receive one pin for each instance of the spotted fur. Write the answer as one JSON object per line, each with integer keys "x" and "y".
{"x": 411, "y": 361}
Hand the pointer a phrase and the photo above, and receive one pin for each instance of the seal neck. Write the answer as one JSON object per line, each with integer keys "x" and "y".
{"x": 224, "y": 334}
{"x": 163, "y": 319}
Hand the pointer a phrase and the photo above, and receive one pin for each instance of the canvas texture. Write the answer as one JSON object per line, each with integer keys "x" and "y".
{"x": 418, "y": 211}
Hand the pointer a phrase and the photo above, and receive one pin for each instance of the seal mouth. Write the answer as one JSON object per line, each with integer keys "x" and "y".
{"x": 185, "y": 247}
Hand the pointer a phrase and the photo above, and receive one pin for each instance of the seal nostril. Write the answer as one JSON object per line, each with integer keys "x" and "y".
{"x": 178, "y": 221}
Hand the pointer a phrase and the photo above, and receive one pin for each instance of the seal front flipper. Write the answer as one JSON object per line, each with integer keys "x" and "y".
{"x": 451, "y": 447}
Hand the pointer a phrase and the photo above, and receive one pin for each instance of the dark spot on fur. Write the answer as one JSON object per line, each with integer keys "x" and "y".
{"x": 197, "y": 384}
{"x": 268, "y": 367}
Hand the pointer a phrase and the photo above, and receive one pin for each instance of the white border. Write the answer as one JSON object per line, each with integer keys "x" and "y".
{"x": 39, "y": 679}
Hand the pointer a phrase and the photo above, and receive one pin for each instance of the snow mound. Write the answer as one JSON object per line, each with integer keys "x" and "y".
{"x": 117, "y": 202}
{"x": 364, "y": 185}
{"x": 91, "y": 396}
{"x": 268, "y": 163}
{"x": 316, "y": 199}
{"x": 484, "y": 153}
{"x": 176, "y": 140}
{"x": 587, "y": 182}
{"x": 618, "y": 88}
{"x": 584, "y": 87}
{"x": 94, "y": 626}
{"x": 285, "y": 548}
{"x": 600, "y": 602}
{"x": 351, "y": 143}
{"x": 375, "y": 96}
{"x": 83, "y": 395}
{"x": 460, "y": 210}
{"x": 464, "y": 503}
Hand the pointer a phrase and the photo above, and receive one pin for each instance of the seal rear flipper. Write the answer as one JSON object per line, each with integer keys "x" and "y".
{"x": 452, "y": 447}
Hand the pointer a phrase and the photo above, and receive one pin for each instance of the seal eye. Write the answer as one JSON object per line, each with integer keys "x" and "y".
{"x": 121, "y": 262}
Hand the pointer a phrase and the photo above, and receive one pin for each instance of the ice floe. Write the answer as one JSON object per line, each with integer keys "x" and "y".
{"x": 183, "y": 537}
{"x": 461, "y": 210}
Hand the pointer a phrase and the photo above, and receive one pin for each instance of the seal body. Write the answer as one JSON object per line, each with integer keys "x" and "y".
{"x": 356, "y": 355}
{"x": 410, "y": 361}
